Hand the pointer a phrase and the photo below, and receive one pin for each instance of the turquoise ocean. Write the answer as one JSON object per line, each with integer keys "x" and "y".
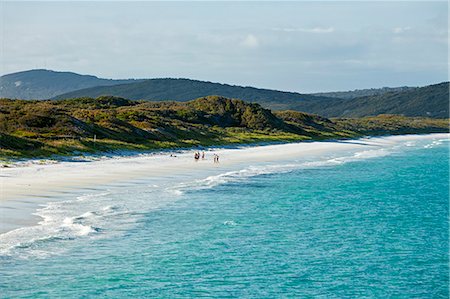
{"x": 361, "y": 224}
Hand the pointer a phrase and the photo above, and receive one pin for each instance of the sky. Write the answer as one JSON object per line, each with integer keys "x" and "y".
{"x": 294, "y": 46}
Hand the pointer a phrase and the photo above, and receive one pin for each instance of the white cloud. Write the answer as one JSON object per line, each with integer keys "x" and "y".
{"x": 308, "y": 30}
{"x": 150, "y": 39}
{"x": 399, "y": 30}
{"x": 250, "y": 41}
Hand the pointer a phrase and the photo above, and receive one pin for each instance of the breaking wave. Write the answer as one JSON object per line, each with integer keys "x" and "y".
{"x": 98, "y": 214}
{"x": 252, "y": 171}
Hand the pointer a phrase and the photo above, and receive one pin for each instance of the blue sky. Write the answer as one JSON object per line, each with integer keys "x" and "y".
{"x": 297, "y": 46}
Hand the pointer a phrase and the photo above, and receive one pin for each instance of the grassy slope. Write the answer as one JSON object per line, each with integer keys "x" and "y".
{"x": 45, "y": 84}
{"x": 357, "y": 93}
{"x": 429, "y": 101}
{"x": 67, "y": 127}
{"x": 186, "y": 89}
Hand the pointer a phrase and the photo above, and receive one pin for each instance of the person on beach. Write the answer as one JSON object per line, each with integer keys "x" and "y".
{"x": 196, "y": 156}
{"x": 203, "y": 155}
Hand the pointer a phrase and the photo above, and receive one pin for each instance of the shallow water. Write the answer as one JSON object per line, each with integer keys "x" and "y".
{"x": 359, "y": 224}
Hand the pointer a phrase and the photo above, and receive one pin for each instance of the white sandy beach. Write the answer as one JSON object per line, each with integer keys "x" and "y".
{"x": 27, "y": 186}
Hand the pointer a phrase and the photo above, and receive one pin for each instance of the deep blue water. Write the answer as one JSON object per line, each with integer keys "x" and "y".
{"x": 375, "y": 228}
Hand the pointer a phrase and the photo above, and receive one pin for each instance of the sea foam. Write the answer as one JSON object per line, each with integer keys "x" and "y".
{"x": 252, "y": 171}
{"x": 93, "y": 215}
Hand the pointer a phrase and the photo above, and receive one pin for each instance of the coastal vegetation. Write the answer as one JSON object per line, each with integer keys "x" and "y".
{"x": 428, "y": 101}
{"x": 75, "y": 126}
{"x": 44, "y": 84}
{"x": 358, "y": 93}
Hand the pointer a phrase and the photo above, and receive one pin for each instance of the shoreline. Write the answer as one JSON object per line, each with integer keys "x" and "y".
{"x": 23, "y": 189}
{"x": 128, "y": 153}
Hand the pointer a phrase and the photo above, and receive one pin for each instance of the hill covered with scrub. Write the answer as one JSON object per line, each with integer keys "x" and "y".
{"x": 358, "y": 93}
{"x": 44, "y": 84}
{"x": 182, "y": 90}
{"x": 67, "y": 127}
{"x": 428, "y": 101}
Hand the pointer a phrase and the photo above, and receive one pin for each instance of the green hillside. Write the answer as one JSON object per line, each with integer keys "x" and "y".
{"x": 67, "y": 127}
{"x": 186, "y": 89}
{"x": 45, "y": 84}
{"x": 428, "y": 101}
{"x": 357, "y": 93}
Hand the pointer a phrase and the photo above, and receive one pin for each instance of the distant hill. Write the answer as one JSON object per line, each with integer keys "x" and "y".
{"x": 428, "y": 101}
{"x": 45, "y": 84}
{"x": 186, "y": 89}
{"x": 357, "y": 93}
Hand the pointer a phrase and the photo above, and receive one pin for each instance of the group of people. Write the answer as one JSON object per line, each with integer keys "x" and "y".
{"x": 197, "y": 157}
